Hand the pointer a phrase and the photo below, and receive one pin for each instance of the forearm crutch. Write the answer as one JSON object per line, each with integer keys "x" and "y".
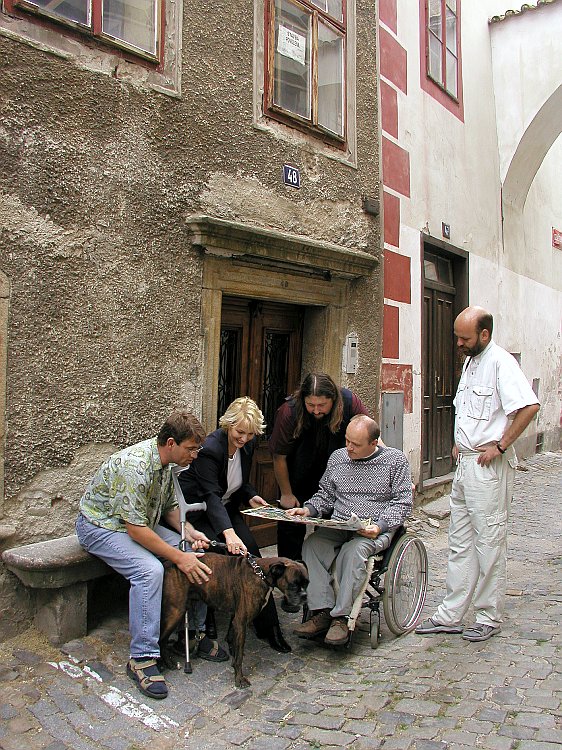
{"x": 184, "y": 509}
{"x": 187, "y": 668}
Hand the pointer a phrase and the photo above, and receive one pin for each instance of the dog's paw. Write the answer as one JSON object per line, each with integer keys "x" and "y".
{"x": 242, "y": 682}
{"x": 169, "y": 660}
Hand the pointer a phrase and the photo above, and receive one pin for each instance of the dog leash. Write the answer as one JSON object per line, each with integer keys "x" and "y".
{"x": 218, "y": 545}
{"x": 259, "y": 572}
{"x": 251, "y": 559}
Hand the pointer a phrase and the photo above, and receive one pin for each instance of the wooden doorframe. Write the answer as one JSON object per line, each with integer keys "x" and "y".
{"x": 228, "y": 279}
{"x": 460, "y": 262}
{"x": 244, "y": 261}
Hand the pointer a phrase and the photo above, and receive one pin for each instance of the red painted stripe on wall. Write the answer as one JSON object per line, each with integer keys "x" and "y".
{"x": 388, "y": 14}
{"x": 391, "y": 204}
{"x": 395, "y": 167}
{"x": 389, "y": 109}
{"x": 393, "y": 59}
{"x": 391, "y": 332}
{"x": 396, "y": 378}
{"x": 397, "y": 277}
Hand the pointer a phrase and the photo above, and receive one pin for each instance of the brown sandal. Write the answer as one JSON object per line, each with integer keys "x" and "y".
{"x": 146, "y": 674}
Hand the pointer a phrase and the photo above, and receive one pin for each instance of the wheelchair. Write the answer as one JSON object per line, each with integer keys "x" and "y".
{"x": 397, "y": 578}
{"x": 402, "y": 592}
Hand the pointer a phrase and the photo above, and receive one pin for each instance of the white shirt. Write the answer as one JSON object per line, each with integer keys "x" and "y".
{"x": 233, "y": 476}
{"x": 492, "y": 387}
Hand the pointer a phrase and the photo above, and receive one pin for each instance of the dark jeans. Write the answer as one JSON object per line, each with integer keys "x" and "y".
{"x": 268, "y": 617}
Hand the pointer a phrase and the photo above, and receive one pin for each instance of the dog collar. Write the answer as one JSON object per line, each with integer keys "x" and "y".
{"x": 255, "y": 567}
{"x": 259, "y": 572}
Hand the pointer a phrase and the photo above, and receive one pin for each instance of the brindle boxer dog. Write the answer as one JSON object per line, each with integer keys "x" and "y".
{"x": 235, "y": 587}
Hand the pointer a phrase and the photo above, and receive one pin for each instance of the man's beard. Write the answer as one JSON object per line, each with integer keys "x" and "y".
{"x": 320, "y": 421}
{"x": 475, "y": 350}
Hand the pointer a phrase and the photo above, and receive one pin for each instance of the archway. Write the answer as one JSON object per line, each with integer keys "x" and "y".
{"x": 541, "y": 133}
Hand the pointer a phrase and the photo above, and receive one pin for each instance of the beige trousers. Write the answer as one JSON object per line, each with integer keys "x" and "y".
{"x": 480, "y": 500}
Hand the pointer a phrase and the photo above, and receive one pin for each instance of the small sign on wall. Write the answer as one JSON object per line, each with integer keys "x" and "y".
{"x": 349, "y": 358}
{"x": 292, "y": 45}
{"x": 557, "y": 238}
{"x": 291, "y": 176}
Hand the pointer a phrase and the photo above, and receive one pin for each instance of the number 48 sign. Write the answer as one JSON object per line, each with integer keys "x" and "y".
{"x": 291, "y": 176}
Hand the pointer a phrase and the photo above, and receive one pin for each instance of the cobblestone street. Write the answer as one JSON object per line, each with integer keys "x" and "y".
{"x": 429, "y": 693}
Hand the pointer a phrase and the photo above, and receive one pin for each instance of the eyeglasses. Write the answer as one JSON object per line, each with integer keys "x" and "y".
{"x": 195, "y": 451}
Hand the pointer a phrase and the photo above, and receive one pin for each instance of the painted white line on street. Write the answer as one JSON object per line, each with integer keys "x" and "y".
{"x": 128, "y": 706}
{"x": 92, "y": 673}
{"x": 70, "y": 669}
{"x": 121, "y": 701}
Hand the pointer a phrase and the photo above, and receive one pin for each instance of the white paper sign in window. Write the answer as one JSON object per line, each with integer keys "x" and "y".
{"x": 290, "y": 44}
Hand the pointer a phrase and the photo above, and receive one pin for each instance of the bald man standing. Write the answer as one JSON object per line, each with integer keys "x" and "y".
{"x": 494, "y": 403}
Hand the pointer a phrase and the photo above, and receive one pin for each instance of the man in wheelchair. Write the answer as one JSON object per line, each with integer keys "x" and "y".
{"x": 368, "y": 480}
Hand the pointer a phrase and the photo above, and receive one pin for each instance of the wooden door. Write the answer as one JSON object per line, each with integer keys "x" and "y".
{"x": 260, "y": 357}
{"x": 438, "y": 368}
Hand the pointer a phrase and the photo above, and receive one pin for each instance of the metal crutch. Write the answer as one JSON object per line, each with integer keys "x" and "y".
{"x": 185, "y": 508}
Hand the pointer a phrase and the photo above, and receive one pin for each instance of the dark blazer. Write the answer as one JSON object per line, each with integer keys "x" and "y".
{"x": 206, "y": 480}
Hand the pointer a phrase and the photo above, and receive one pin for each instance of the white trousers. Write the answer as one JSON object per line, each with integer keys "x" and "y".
{"x": 480, "y": 500}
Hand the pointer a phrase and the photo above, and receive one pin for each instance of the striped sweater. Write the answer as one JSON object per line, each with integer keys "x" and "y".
{"x": 377, "y": 488}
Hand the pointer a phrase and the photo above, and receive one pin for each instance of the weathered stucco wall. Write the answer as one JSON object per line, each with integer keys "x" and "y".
{"x": 97, "y": 178}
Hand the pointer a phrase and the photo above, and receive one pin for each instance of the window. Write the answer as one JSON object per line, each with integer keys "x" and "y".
{"x": 442, "y": 44}
{"x": 133, "y": 25}
{"x": 437, "y": 268}
{"x": 305, "y": 72}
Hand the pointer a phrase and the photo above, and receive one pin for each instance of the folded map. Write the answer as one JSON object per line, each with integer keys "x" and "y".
{"x": 354, "y": 523}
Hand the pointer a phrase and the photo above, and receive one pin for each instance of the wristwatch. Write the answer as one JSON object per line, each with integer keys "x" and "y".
{"x": 498, "y": 446}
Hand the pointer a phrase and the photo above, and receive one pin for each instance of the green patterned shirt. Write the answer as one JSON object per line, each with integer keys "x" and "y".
{"x": 133, "y": 486}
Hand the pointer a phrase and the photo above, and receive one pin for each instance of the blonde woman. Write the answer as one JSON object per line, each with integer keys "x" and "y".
{"x": 220, "y": 478}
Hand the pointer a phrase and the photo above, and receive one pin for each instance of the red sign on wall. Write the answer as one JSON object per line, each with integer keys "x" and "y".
{"x": 557, "y": 238}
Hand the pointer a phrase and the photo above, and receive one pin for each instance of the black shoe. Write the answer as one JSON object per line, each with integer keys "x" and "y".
{"x": 210, "y": 649}
{"x": 199, "y": 645}
{"x": 275, "y": 639}
{"x": 286, "y": 607}
{"x": 211, "y": 625}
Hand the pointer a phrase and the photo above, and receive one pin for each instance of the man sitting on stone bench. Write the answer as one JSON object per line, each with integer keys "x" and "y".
{"x": 367, "y": 479}
{"x": 119, "y": 523}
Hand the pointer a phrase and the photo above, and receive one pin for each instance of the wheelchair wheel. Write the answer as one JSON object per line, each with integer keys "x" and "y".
{"x": 375, "y": 628}
{"x": 405, "y": 585}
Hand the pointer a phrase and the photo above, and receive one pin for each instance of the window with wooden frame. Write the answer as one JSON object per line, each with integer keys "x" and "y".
{"x": 442, "y": 49}
{"x": 132, "y": 25}
{"x": 305, "y": 71}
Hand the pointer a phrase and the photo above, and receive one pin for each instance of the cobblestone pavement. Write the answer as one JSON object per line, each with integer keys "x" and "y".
{"x": 428, "y": 693}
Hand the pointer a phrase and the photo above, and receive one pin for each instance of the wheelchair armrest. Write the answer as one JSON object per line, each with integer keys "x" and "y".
{"x": 398, "y": 534}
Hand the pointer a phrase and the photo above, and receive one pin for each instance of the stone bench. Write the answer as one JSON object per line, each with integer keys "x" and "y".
{"x": 59, "y": 571}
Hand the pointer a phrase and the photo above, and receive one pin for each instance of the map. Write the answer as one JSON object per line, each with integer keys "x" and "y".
{"x": 354, "y": 523}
